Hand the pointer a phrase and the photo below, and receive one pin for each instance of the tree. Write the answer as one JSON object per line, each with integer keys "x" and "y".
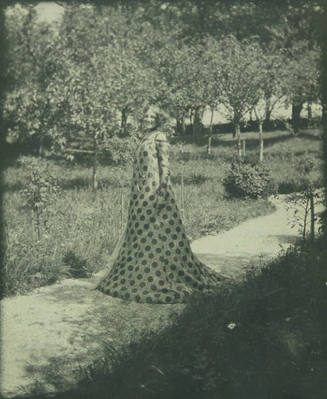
{"x": 301, "y": 81}
{"x": 210, "y": 68}
{"x": 269, "y": 90}
{"x": 97, "y": 80}
{"x": 136, "y": 84}
{"x": 183, "y": 90}
{"x": 273, "y": 74}
{"x": 31, "y": 66}
{"x": 295, "y": 34}
{"x": 240, "y": 78}
{"x": 260, "y": 113}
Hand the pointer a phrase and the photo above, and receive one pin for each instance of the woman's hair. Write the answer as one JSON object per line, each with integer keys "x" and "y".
{"x": 161, "y": 119}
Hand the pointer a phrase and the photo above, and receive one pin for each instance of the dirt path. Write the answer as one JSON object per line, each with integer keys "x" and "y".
{"x": 48, "y": 334}
{"x": 255, "y": 240}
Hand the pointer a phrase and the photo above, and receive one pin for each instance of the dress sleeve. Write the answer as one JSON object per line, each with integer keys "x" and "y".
{"x": 162, "y": 148}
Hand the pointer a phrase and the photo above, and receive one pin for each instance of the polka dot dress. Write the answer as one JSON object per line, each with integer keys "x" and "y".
{"x": 154, "y": 262}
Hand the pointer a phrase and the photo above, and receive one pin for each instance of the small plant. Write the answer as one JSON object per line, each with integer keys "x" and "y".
{"x": 40, "y": 192}
{"x": 247, "y": 179}
{"x": 305, "y": 200}
{"x": 118, "y": 151}
{"x": 77, "y": 266}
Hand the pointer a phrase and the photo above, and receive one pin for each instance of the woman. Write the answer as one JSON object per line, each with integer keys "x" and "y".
{"x": 154, "y": 262}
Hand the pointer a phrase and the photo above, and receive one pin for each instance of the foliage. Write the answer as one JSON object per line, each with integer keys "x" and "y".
{"x": 307, "y": 199}
{"x": 80, "y": 82}
{"x": 85, "y": 78}
{"x": 31, "y": 66}
{"x": 179, "y": 67}
{"x": 270, "y": 90}
{"x": 40, "y": 193}
{"x": 77, "y": 267}
{"x": 300, "y": 203}
{"x": 118, "y": 151}
{"x": 86, "y": 227}
{"x": 42, "y": 188}
{"x": 241, "y": 74}
{"x": 302, "y": 75}
{"x": 248, "y": 180}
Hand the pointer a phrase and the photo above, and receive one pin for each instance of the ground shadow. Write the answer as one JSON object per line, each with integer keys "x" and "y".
{"x": 76, "y": 183}
{"x": 233, "y": 267}
{"x": 287, "y": 239}
{"x": 94, "y": 325}
{"x": 248, "y": 343}
{"x": 252, "y": 143}
{"x": 220, "y": 139}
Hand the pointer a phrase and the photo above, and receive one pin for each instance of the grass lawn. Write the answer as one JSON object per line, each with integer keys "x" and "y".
{"x": 79, "y": 228}
{"x": 261, "y": 338}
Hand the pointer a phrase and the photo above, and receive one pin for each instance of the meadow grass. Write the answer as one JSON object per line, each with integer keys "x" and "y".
{"x": 259, "y": 338}
{"x": 80, "y": 229}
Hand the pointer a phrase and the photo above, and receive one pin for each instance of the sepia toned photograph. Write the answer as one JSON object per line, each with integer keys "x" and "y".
{"x": 163, "y": 189}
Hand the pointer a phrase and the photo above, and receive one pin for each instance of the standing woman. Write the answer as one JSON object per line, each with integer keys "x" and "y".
{"x": 153, "y": 262}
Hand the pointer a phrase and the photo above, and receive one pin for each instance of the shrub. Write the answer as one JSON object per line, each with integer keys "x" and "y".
{"x": 40, "y": 193}
{"x": 247, "y": 179}
{"x": 118, "y": 151}
{"x": 77, "y": 266}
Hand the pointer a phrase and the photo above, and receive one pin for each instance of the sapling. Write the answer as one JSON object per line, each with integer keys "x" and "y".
{"x": 307, "y": 199}
{"x": 39, "y": 193}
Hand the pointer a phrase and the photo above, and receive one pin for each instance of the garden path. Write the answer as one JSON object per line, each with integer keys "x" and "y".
{"x": 254, "y": 241}
{"x": 47, "y": 334}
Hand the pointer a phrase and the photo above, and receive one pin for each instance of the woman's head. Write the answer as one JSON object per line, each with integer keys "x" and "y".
{"x": 155, "y": 118}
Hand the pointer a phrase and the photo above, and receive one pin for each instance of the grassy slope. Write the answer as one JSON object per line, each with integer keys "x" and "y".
{"x": 82, "y": 228}
{"x": 264, "y": 338}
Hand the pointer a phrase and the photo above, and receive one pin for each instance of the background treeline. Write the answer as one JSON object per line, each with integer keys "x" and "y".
{"x": 83, "y": 84}
{"x": 76, "y": 94}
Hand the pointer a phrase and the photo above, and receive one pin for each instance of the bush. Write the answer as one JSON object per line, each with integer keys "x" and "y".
{"x": 77, "y": 267}
{"x": 118, "y": 151}
{"x": 247, "y": 179}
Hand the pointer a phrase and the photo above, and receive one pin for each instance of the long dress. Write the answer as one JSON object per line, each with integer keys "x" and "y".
{"x": 154, "y": 262}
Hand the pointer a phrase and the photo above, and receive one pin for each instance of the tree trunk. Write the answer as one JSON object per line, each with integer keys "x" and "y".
{"x": 261, "y": 141}
{"x": 180, "y": 124}
{"x": 123, "y": 122}
{"x": 192, "y": 123}
{"x": 324, "y": 114}
{"x": 197, "y": 122}
{"x": 309, "y": 111}
{"x": 267, "y": 109}
{"x": 238, "y": 138}
{"x": 41, "y": 148}
{"x": 210, "y": 131}
{"x": 243, "y": 147}
{"x": 296, "y": 110}
{"x": 38, "y": 227}
{"x": 94, "y": 167}
{"x": 33, "y": 225}
{"x": 305, "y": 219}
{"x": 312, "y": 214}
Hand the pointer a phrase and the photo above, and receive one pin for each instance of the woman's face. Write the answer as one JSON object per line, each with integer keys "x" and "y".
{"x": 149, "y": 119}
